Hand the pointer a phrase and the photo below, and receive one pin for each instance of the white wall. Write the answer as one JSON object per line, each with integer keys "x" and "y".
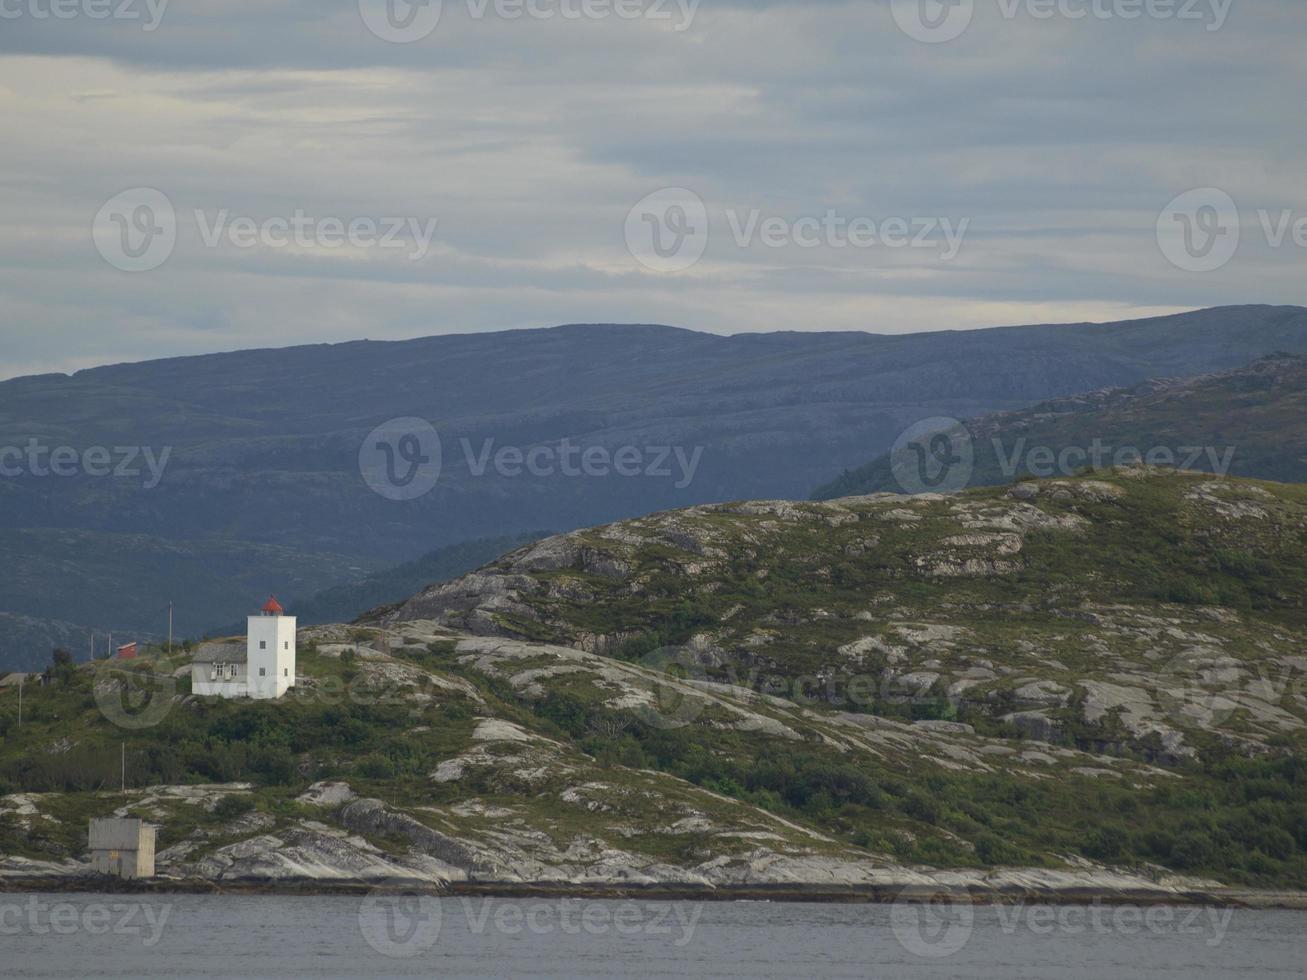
{"x": 271, "y": 646}
{"x": 203, "y": 685}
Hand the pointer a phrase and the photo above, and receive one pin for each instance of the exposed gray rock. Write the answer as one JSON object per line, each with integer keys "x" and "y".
{"x": 327, "y": 794}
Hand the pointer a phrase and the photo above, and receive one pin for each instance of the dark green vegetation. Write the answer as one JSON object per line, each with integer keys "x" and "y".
{"x": 1014, "y": 570}
{"x": 1247, "y": 422}
{"x": 1232, "y": 818}
{"x": 1224, "y": 815}
{"x": 265, "y": 444}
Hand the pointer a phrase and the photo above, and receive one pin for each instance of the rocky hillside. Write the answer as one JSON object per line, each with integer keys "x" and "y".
{"x": 1247, "y": 422}
{"x": 1061, "y": 685}
{"x": 257, "y": 453}
{"x": 1049, "y": 606}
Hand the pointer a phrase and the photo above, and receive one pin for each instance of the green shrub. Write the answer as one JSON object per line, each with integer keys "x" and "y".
{"x": 233, "y": 806}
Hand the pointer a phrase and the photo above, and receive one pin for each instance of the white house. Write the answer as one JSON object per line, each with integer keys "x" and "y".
{"x": 263, "y": 669}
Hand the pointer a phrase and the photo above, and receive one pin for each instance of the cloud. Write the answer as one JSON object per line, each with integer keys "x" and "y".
{"x": 1058, "y": 141}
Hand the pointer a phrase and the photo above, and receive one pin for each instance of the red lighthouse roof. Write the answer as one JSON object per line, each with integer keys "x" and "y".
{"x": 273, "y": 607}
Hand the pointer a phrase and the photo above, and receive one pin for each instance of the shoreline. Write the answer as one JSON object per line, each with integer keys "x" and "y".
{"x": 1241, "y": 898}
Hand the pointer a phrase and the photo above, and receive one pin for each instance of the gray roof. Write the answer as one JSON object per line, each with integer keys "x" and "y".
{"x": 221, "y": 653}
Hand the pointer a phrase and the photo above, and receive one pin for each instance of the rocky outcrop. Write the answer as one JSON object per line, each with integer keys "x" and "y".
{"x": 306, "y": 851}
{"x": 457, "y": 859}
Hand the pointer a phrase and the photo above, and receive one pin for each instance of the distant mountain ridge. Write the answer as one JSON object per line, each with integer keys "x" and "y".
{"x": 1248, "y": 422}
{"x": 263, "y": 490}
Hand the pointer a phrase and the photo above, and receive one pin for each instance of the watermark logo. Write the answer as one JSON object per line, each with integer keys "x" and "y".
{"x": 1206, "y": 689}
{"x": 935, "y": 455}
{"x": 136, "y": 231}
{"x": 667, "y": 231}
{"x": 939, "y": 21}
{"x": 1199, "y": 231}
{"x": 932, "y": 927}
{"x": 148, "y": 12}
{"x": 939, "y": 926}
{"x": 135, "y": 699}
{"x": 398, "y": 923}
{"x": 933, "y": 21}
{"x": 401, "y": 459}
{"x": 1185, "y": 690}
{"x": 673, "y": 701}
{"x": 401, "y": 21}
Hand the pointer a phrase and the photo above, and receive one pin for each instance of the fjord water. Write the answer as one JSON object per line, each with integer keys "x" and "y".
{"x": 318, "y": 936}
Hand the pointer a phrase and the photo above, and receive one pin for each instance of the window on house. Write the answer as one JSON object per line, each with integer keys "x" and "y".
{"x": 286, "y": 645}
{"x": 263, "y": 671}
{"x": 263, "y": 644}
{"x": 285, "y": 672}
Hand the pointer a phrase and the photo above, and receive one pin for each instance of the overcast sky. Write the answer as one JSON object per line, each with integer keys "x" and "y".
{"x": 1030, "y": 157}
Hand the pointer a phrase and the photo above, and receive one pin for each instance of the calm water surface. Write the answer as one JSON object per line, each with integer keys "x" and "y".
{"x": 325, "y": 937}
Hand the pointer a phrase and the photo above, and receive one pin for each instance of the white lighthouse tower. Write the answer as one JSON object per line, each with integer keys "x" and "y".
{"x": 270, "y": 652}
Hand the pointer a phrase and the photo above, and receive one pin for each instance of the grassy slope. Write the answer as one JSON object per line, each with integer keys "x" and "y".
{"x": 1156, "y": 569}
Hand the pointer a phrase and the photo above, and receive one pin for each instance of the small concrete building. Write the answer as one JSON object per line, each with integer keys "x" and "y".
{"x": 262, "y": 668}
{"x": 122, "y": 847}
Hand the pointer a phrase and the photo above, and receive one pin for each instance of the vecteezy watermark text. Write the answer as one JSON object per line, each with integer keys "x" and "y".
{"x": 1046, "y": 461}
{"x": 938, "y": 455}
{"x": 669, "y": 231}
{"x": 571, "y": 460}
{"x": 37, "y": 917}
{"x": 402, "y": 459}
{"x": 940, "y": 21}
{"x": 150, "y": 12}
{"x": 407, "y": 21}
{"x": 36, "y": 459}
{"x": 406, "y": 925}
{"x": 304, "y": 231}
{"x": 936, "y": 927}
{"x": 137, "y": 231}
